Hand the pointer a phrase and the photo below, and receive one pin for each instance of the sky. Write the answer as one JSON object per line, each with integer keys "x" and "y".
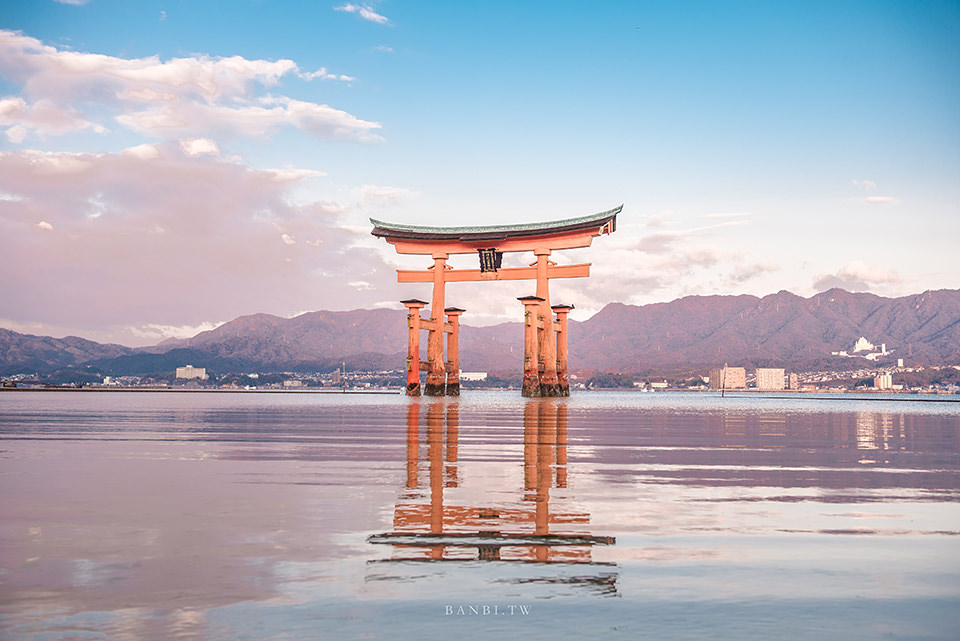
{"x": 169, "y": 165}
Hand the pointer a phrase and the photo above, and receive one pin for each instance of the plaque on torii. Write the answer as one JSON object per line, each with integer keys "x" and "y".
{"x": 545, "y": 325}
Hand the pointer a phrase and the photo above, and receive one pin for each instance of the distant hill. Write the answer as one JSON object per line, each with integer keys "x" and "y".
{"x": 781, "y": 329}
{"x": 316, "y": 341}
{"x": 29, "y": 353}
{"x": 688, "y": 334}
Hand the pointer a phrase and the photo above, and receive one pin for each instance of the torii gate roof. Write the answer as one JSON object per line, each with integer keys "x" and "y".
{"x": 555, "y": 234}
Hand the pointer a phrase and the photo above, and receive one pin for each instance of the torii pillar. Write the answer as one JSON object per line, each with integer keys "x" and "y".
{"x": 453, "y": 350}
{"x": 546, "y": 336}
{"x": 413, "y": 345}
{"x": 532, "y": 321}
{"x": 563, "y": 384}
{"x": 437, "y": 372}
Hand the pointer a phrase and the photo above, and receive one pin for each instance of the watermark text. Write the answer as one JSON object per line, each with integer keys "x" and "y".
{"x": 485, "y": 610}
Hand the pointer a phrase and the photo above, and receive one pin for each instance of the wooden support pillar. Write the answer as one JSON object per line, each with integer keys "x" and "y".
{"x": 563, "y": 380}
{"x": 531, "y": 427}
{"x": 413, "y": 345}
{"x": 450, "y": 478}
{"x": 546, "y": 453}
{"x": 453, "y": 350}
{"x": 437, "y": 374}
{"x": 562, "y": 445}
{"x": 546, "y": 339}
{"x": 413, "y": 444}
{"x": 435, "y": 458}
{"x": 531, "y": 369}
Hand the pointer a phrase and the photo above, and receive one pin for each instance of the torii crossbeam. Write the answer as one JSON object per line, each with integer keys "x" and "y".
{"x": 545, "y": 338}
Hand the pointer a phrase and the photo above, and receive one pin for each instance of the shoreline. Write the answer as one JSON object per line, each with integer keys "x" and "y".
{"x": 870, "y": 395}
{"x": 193, "y": 391}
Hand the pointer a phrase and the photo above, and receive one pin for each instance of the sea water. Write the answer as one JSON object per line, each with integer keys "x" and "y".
{"x": 227, "y": 516}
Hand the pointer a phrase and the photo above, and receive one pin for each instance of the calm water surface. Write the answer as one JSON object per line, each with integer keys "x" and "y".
{"x": 137, "y": 515}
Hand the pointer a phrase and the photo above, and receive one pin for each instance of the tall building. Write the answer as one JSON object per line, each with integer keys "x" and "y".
{"x": 189, "y": 371}
{"x": 793, "y": 381}
{"x": 770, "y": 378}
{"x": 728, "y": 378}
{"x": 883, "y": 381}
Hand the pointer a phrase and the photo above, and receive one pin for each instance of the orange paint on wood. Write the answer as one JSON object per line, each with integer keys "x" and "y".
{"x": 563, "y": 380}
{"x": 413, "y": 345}
{"x": 453, "y": 350}
{"x": 565, "y": 240}
{"x": 531, "y": 369}
{"x": 436, "y": 377}
{"x": 579, "y": 270}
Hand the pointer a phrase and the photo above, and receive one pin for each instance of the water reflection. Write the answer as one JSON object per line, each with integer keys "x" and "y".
{"x": 528, "y": 525}
{"x": 221, "y": 517}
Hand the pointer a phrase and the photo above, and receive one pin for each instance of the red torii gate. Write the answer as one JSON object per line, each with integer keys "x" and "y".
{"x": 545, "y": 338}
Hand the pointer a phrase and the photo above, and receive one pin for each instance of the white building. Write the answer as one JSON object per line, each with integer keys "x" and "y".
{"x": 473, "y": 376}
{"x": 883, "y": 381}
{"x": 189, "y": 371}
{"x": 864, "y": 349}
{"x": 770, "y": 378}
{"x": 728, "y": 378}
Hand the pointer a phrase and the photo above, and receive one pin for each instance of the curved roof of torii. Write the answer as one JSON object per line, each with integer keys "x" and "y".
{"x": 481, "y": 233}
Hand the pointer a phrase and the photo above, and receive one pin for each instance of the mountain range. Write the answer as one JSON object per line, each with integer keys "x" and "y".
{"x": 685, "y": 335}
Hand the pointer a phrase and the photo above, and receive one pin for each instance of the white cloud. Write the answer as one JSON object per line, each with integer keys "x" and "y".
{"x": 157, "y": 333}
{"x": 199, "y": 147}
{"x": 857, "y": 276}
{"x": 382, "y": 195}
{"x": 741, "y": 273}
{"x": 143, "y": 152}
{"x": 739, "y": 214}
{"x": 42, "y": 116}
{"x": 16, "y": 134}
{"x": 177, "y": 118}
{"x": 76, "y": 3}
{"x": 53, "y": 164}
{"x": 663, "y": 218}
{"x": 292, "y": 174}
{"x": 47, "y": 72}
{"x": 323, "y": 74}
{"x": 365, "y": 11}
{"x": 156, "y": 237}
{"x": 868, "y": 186}
{"x": 663, "y": 241}
{"x": 173, "y": 98}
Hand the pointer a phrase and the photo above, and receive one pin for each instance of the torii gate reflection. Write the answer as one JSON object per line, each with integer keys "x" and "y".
{"x": 527, "y": 529}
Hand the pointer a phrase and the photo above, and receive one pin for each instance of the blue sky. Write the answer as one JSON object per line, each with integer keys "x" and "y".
{"x": 167, "y": 166}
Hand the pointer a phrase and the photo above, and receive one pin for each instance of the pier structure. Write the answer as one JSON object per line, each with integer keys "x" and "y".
{"x": 545, "y": 325}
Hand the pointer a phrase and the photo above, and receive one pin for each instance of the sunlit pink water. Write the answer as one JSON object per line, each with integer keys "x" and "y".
{"x": 604, "y": 516}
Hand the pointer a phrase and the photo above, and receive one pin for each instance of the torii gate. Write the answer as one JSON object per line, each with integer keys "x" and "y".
{"x": 545, "y": 338}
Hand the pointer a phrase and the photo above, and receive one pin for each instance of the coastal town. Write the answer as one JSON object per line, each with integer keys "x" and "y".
{"x": 886, "y": 380}
{"x": 889, "y": 375}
